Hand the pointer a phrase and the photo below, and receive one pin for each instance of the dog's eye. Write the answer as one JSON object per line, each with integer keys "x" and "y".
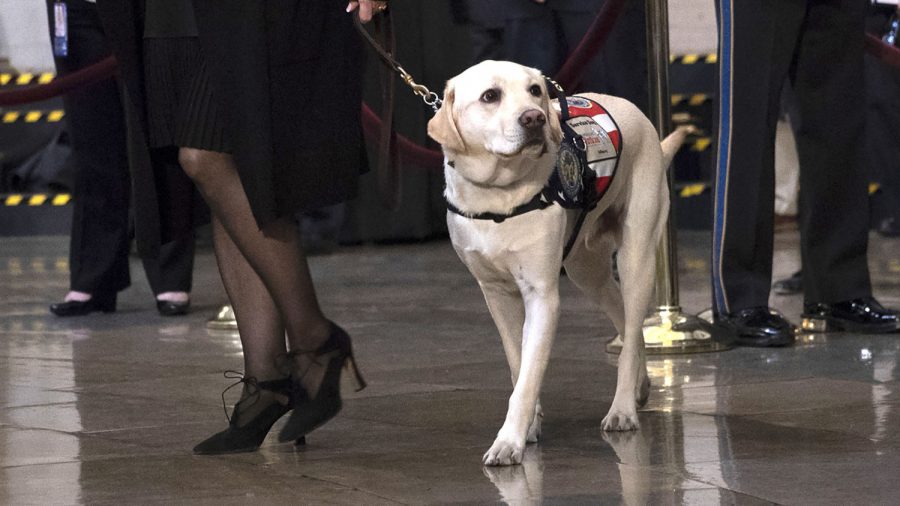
{"x": 490, "y": 96}
{"x": 535, "y": 90}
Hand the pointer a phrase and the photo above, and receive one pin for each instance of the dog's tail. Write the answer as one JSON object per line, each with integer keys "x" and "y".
{"x": 672, "y": 143}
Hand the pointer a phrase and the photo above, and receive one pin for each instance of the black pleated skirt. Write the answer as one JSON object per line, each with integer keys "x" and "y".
{"x": 182, "y": 110}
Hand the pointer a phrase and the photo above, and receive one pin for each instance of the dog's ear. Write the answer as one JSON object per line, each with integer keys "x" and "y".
{"x": 442, "y": 127}
{"x": 553, "y": 123}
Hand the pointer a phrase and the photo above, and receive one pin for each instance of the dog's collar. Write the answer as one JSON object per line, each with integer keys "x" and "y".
{"x": 537, "y": 203}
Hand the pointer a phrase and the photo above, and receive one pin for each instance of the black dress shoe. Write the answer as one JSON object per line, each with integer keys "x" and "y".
{"x": 169, "y": 308}
{"x": 789, "y": 286}
{"x": 98, "y": 302}
{"x": 757, "y": 326}
{"x": 864, "y": 315}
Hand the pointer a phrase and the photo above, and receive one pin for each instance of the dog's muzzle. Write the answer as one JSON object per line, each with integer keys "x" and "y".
{"x": 532, "y": 119}
{"x": 532, "y": 122}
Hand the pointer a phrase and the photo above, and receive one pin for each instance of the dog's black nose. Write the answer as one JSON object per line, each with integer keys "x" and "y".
{"x": 532, "y": 118}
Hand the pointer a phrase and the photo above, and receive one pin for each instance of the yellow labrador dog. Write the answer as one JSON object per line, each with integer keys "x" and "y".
{"x": 500, "y": 135}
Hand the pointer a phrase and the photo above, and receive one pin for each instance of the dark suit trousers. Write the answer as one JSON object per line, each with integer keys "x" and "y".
{"x": 883, "y": 124}
{"x": 818, "y": 45}
{"x": 99, "y": 247}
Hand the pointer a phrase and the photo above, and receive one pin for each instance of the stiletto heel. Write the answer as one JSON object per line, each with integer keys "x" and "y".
{"x": 247, "y": 429}
{"x": 350, "y": 366}
{"x": 312, "y": 411}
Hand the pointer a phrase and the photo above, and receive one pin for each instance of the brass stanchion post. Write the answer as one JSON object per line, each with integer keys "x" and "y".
{"x": 223, "y": 320}
{"x": 668, "y": 330}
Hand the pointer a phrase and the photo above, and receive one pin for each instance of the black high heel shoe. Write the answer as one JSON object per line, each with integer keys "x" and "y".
{"x": 98, "y": 302}
{"x": 312, "y": 411}
{"x": 262, "y": 404}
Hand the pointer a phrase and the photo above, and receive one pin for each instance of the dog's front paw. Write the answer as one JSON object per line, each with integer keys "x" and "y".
{"x": 504, "y": 453}
{"x": 617, "y": 420}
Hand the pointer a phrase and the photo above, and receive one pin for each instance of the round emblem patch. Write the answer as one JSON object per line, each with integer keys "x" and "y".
{"x": 568, "y": 166}
{"x": 579, "y": 102}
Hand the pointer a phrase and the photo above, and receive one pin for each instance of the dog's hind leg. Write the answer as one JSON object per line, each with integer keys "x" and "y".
{"x": 588, "y": 269}
{"x": 632, "y": 384}
{"x": 508, "y": 311}
{"x": 642, "y": 223}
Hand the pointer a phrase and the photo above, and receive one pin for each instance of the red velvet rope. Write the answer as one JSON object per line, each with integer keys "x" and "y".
{"x": 573, "y": 68}
{"x": 84, "y": 77}
{"x": 883, "y": 51}
{"x": 568, "y": 76}
{"x": 409, "y": 151}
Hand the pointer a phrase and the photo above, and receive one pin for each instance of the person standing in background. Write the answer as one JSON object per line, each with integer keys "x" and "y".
{"x": 882, "y": 151}
{"x": 100, "y": 239}
{"x": 883, "y": 118}
{"x": 542, "y": 33}
{"x": 819, "y": 46}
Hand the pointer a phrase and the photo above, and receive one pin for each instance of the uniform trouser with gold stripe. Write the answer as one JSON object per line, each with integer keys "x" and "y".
{"x": 818, "y": 45}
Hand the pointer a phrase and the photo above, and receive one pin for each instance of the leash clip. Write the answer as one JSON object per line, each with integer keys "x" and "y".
{"x": 429, "y": 97}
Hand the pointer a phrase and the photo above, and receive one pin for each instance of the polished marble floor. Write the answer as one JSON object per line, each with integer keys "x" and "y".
{"x": 104, "y": 409}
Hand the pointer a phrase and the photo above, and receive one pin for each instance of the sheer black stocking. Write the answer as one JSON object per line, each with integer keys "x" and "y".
{"x": 264, "y": 271}
{"x": 258, "y": 319}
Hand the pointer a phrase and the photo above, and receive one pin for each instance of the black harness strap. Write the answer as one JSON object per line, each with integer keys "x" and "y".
{"x": 575, "y": 231}
{"x": 536, "y": 203}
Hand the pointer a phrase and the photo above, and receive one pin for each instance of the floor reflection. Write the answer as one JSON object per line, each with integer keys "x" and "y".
{"x": 39, "y": 415}
{"x": 633, "y": 451}
{"x": 521, "y": 485}
{"x": 884, "y": 371}
{"x": 105, "y": 409}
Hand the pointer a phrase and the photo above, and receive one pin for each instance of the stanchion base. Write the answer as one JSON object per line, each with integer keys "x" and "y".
{"x": 223, "y": 320}
{"x": 673, "y": 332}
{"x": 813, "y": 325}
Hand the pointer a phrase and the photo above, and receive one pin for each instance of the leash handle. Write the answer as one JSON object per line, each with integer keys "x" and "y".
{"x": 429, "y": 97}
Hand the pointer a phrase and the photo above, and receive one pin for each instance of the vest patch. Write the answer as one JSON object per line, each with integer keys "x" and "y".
{"x": 601, "y": 144}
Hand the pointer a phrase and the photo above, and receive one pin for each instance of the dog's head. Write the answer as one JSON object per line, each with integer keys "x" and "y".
{"x": 496, "y": 110}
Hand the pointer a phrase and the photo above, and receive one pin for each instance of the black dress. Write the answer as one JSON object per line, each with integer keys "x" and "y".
{"x": 286, "y": 75}
{"x": 181, "y": 107}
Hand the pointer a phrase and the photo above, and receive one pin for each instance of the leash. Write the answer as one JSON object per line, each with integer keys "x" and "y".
{"x": 573, "y": 144}
{"x": 429, "y": 97}
{"x": 387, "y": 171}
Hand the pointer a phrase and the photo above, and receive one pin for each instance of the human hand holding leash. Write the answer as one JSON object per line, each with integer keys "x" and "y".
{"x": 367, "y": 8}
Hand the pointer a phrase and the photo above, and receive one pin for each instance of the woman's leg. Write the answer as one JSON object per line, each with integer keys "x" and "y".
{"x": 253, "y": 262}
{"x": 259, "y": 324}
